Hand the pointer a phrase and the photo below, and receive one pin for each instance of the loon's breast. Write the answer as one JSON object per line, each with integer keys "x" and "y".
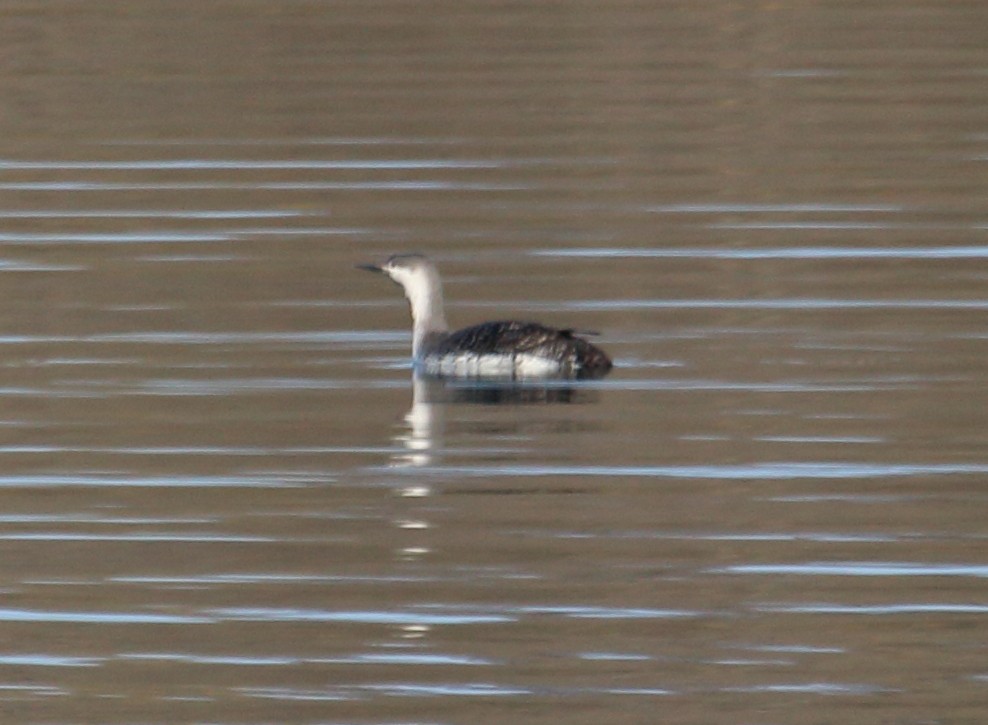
{"x": 512, "y": 349}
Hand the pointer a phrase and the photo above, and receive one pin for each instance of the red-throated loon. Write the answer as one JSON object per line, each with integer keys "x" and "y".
{"x": 503, "y": 349}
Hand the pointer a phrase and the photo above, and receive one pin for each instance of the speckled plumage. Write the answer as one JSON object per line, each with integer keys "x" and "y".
{"x": 574, "y": 355}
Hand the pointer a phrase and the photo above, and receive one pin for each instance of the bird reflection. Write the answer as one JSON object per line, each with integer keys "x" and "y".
{"x": 420, "y": 445}
{"x": 487, "y": 393}
{"x": 424, "y": 423}
{"x": 422, "y": 436}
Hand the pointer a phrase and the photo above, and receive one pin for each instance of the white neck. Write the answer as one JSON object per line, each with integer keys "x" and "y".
{"x": 425, "y": 297}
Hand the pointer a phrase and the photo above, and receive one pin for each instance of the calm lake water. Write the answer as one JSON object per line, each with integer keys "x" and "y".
{"x": 223, "y": 498}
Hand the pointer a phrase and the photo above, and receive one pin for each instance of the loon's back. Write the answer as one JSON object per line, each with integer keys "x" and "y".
{"x": 515, "y": 349}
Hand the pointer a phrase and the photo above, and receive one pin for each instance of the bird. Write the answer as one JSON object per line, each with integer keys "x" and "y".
{"x": 500, "y": 349}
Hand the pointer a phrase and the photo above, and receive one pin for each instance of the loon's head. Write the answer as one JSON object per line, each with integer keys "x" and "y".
{"x": 411, "y": 271}
{"x": 419, "y": 278}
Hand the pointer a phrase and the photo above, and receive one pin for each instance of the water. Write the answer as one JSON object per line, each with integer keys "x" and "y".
{"x": 225, "y": 500}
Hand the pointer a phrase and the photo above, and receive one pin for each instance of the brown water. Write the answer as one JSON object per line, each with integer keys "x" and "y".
{"x": 221, "y": 499}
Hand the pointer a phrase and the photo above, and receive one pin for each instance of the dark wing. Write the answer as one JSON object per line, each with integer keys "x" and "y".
{"x": 511, "y": 337}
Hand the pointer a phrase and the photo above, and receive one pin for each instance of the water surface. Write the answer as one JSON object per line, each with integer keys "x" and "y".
{"x": 224, "y": 498}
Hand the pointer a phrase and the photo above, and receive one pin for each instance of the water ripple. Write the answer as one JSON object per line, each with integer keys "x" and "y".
{"x": 255, "y": 164}
{"x": 942, "y": 252}
{"x": 47, "y": 660}
{"x": 290, "y": 660}
{"x": 790, "y": 303}
{"x": 171, "y": 538}
{"x": 26, "y": 238}
{"x": 41, "y": 615}
{"x": 396, "y": 185}
{"x": 293, "y": 694}
{"x": 204, "y": 481}
{"x": 443, "y": 689}
{"x": 153, "y": 214}
{"x": 268, "y": 579}
{"x": 887, "y": 609}
{"x": 879, "y": 568}
{"x": 761, "y": 536}
{"x": 214, "y": 338}
{"x": 588, "y": 612}
{"x": 364, "y": 616}
{"x": 708, "y": 208}
{"x": 813, "y": 688}
{"x": 448, "y": 689}
{"x": 771, "y": 471}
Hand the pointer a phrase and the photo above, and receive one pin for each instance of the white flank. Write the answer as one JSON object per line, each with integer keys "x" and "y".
{"x": 470, "y": 365}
